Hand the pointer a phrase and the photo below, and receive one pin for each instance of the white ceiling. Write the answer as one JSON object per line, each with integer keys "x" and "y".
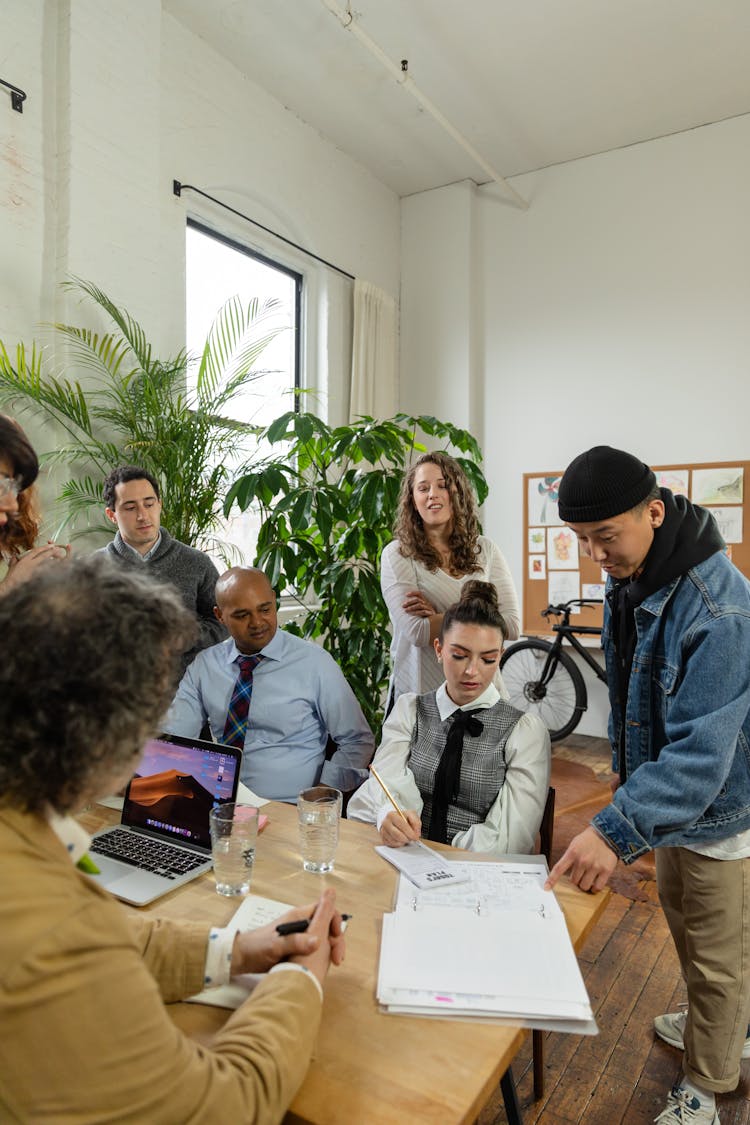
{"x": 529, "y": 82}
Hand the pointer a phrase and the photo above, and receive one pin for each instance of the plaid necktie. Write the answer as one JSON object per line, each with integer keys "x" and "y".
{"x": 239, "y": 705}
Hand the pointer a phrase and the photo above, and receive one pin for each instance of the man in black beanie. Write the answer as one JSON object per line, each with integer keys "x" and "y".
{"x": 676, "y": 639}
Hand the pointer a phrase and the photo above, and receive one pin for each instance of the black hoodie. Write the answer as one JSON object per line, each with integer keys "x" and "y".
{"x": 688, "y": 536}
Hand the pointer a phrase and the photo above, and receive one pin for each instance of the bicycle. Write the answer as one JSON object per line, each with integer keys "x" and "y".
{"x": 543, "y": 679}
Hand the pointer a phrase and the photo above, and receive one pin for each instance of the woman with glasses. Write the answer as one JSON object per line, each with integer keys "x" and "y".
{"x": 19, "y": 516}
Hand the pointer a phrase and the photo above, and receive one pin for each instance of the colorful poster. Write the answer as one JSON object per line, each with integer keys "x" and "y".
{"x": 543, "y": 500}
{"x": 537, "y": 567}
{"x": 676, "y": 480}
{"x": 537, "y": 540}
{"x": 718, "y": 486}
{"x": 562, "y": 549}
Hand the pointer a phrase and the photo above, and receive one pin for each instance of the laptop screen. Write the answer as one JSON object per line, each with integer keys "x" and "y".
{"x": 177, "y": 782}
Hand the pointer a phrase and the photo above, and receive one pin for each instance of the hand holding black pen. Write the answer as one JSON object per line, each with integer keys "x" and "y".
{"x": 301, "y": 925}
{"x": 316, "y": 946}
{"x": 327, "y": 926}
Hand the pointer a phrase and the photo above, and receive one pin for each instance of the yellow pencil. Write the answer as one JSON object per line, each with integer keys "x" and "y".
{"x": 388, "y": 793}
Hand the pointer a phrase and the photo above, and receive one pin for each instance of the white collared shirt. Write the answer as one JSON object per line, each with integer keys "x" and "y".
{"x": 513, "y": 821}
{"x": 149, "y": 552}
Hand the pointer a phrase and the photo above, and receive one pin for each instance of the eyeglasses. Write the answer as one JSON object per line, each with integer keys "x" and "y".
{"x": 10, "y": 486}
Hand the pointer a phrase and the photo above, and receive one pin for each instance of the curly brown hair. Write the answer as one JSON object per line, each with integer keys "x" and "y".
{"x": 18, "y": 449}
{"x": 464, "y": 534}
{"x": 20, "y": 532}
{"x": 22, "y": 528}
{"x": 91, "y": 659}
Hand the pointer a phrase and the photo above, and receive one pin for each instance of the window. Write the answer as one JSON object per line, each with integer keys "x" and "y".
{"x": 216, "y": 269}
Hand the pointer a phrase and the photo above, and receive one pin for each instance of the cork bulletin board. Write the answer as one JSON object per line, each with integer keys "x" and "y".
{"x": 555, "y": 572}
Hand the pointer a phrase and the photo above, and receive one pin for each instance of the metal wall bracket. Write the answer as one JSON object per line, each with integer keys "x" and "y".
{"x": 17, "y": 96}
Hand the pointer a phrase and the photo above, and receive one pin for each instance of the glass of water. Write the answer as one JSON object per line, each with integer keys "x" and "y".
{"x": 234, "y": 831}
{"x": 319, "y": 812}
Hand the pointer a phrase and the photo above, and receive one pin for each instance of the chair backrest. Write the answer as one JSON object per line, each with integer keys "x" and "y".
{"x": 546, "y": 828}
{"x": 331, "y": 748}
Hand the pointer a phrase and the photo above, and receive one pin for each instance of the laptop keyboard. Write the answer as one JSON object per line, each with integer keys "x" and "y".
{"x": 146, "y": 853}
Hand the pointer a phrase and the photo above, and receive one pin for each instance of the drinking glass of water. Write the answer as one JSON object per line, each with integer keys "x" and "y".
{"x": 319, "y": 812}
{"x": 234, "y": 831}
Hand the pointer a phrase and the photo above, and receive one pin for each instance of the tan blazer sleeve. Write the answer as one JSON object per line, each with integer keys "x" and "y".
{"x": 91, "y": 1040}
{"x": 173, "y": 952}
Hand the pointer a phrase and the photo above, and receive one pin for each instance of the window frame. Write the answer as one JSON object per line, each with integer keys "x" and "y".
{"x": 296, "y": 277}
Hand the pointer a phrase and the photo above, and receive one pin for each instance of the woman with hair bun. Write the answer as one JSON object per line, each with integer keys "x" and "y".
{"x": 19, "y": 514}
{"x": 437, "y": 549}
{"x": 467, "y": 768}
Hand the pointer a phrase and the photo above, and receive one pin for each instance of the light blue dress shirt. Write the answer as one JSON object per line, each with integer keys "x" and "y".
{"x": 300, "y": 696}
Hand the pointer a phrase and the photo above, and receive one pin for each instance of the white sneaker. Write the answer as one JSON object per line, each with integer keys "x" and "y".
{"x": 684, "y": 1108}
{"x": 671, "y": 1028}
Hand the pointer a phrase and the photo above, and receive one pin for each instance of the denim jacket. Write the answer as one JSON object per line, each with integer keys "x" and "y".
{"x": 687, "y": 717}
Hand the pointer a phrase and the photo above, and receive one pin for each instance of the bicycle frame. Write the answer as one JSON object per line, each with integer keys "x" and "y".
{"x": 568, "y": 632}
{"x": 542, "y": 678}
{"x": 565, "y": 631}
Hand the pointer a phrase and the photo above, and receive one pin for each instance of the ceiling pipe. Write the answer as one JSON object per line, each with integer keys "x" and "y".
{"x": 401, "y": 74}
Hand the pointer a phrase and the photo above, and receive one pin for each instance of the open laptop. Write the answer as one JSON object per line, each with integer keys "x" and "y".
{"x": 163, "y": 839}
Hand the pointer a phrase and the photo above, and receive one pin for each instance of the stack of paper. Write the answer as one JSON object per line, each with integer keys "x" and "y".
{"x": 493, "y": 947}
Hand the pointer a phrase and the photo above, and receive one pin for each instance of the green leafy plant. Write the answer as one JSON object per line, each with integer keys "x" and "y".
{"x": 328, "y": 505}
{"x": 136, "y": 408}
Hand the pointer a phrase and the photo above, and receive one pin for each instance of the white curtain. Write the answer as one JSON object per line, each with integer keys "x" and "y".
{"x": 374, "y": 388}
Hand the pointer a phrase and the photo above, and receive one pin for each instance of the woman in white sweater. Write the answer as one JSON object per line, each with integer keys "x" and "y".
{"x": 467, "y": 768}
{"x": 437, "y": 549}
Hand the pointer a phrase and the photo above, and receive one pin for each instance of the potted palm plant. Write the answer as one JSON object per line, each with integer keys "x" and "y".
{"x": 328, "y": 503}
{"x": 134, "y": 407}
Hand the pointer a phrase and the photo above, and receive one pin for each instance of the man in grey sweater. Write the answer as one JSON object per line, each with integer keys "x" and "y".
{"x": 134, "y": 506}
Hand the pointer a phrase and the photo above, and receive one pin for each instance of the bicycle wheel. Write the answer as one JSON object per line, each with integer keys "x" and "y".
{"x": 560, "y": 702}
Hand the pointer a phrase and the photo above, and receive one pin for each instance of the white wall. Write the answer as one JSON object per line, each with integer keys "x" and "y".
{"x": 123, "y": 100}
{"x": 438, "y": 301}
{"x": 615, "y": 310}
{"x": 231, "y": 139}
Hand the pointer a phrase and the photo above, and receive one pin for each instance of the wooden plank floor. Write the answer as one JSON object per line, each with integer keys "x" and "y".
{"x": 631, "y": 971}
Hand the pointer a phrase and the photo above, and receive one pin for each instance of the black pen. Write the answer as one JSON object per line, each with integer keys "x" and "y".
{"x": 300, "y": 926}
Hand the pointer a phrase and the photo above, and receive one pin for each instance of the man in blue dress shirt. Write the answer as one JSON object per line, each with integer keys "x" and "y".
{"x": 298, "y": 697}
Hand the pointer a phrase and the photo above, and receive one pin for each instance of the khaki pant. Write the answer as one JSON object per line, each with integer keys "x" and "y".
{"x": 707, "y": 905}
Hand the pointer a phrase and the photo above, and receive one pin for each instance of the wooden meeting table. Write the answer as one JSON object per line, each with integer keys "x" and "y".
{"x": 368, "y": 1067}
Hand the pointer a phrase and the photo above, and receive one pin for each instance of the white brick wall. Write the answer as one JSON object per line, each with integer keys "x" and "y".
{"x": 122, "y": 100}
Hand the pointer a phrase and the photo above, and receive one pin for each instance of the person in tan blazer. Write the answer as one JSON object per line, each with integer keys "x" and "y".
{"x": 90, "y": 655}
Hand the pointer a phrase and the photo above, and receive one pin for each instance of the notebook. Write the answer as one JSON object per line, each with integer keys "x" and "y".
{"x": 163, "y": 839}
{"x": 493, "y": 948}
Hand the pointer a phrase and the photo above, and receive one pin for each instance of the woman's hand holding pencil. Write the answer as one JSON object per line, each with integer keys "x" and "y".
{"x": 399, "y": 827}
{"x": 397, "y": 830}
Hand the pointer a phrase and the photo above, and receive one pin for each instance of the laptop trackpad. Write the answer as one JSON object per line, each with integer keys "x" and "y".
{"x": 139, "y": 888}
{"x": 129, "y": 883}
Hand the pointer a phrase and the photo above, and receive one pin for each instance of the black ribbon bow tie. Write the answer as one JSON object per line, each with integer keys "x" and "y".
{"x": 448, "y": 773}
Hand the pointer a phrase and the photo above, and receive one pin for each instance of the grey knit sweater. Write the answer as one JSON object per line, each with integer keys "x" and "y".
{"x": 191, "y": 573}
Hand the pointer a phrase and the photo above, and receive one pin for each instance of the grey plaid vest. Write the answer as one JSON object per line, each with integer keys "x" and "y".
{"x": 482, "y": 761}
